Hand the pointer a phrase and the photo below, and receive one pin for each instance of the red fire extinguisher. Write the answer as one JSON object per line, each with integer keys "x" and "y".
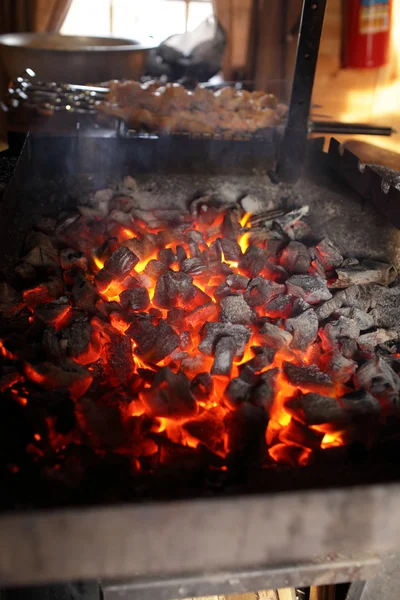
{"x": 366, "y": 33}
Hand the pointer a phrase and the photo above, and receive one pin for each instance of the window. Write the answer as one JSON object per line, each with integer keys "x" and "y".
{"x": 135, "y": 18}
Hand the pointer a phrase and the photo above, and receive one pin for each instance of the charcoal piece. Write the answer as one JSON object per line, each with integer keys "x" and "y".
{"x": 279, "y": 307}
{"x": 335, "y": 331}
{"x": 193, "y": 266}
{"x": 46, "y": 291}
{"x": 66, "y": 374}
{"x": 174, "y": 289}
{"x": 143, "y": 247}
{"x": 73, "y": 258}
{"x": 263, "y": 393}
{"x": 166, "y": 341}
{"x": 170, "y": 396}
{"x": 377, "y": 374}
{"x": 311, "y": 288}
{"x": 101, "y": 423}
{"x": 295, "y": 258}
{"x": 155, "y": 268}
{"x": 222, "y": 291}
{"x": 175, "y": 317}
{"x": 25, "y": 271}
{"x": 245, "y": 429}
{"x": 260, "y": 290}
{"x": 237, "y": 392}
{"x": 120, "y": 360}
{"x": 142, "y": 332}
{"x": 231, "y": 249}
{"x": 53, "y": 312}
{"x": 385, "y": 306}
{"x": 84, "y": 295}
{"x": 363, "y": 319}
{"x": 166, "y": 256}
{"x": 195, "y": 364}
{"x": 14, "y": 324}
{"x": 120, "y": 263}
{"x": 234, "y": 309}
{"x": 237, "y": 282}
{"x": 77, "y": 338}
{"x": 275, "y": 337}
{"x": 328, "y": 254}
{"x": 318, "y": 269}
{"x": 42, "y": 257}
{"x": 324, "y": 310}
{"x": 308, "y": 378}
{"x": 192, "y": 235}
{"x": 51, "y": 343}
{"x": 197, "y": 317}
{"x": 211, "y": 333}
{"x": 194, "y": 250}
{"x": 348, "y": 348}
{"x": 230, "y": 225}
{"x": 180, "y": 254}
{"x": 369, "y": 271}
{"x": 109, "y": 246}
{"x": 225, "y": 351}
{"x": 11, "y": 301}
{"x": 135, "y": 299}
{"x": 369, "y": 341}
{"x": 339, "y": 367}
{"x": 253, "y": 261}
{"x": 304, "y": 329}
{"x": 315, "y": 409}
{"x": 208, "y": 429}
{"x": 185, "y": 340}
{"x": 249, "y": 370}
{"x": 103, "y": 279}
{"x": 358, "y": 296}
{"x": 360, "y": 404}
{"x": 202, "y": 386}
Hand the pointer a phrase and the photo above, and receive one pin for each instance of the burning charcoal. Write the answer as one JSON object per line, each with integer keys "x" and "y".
{"x": 290, "y": 218}
{"x": 249, "y": 370}
{"x": 234, "y": 309}
{"x": 197, "y": 317}
{"x": 44, "y": 292}
{"x": 260, "y": 290}
{"x": 368, "y": 272}
{"x": 175, "y": 317}
{"x": 253, "y": 261}
{"x": 154, "y": 343}
{"x": 335, "y": 331}
{"x": 377, "y": 374}
{"x": 143, "y": 247}
{"x": 246, "y": 431}
{"x": 211, "y": 333}
{"x": 192, "y": 235}
{"x": 194, "y": 250}
{"x": 237, "y": 282}
{"x": 102, "y": 424}
{"x": 225, "y": 351}
{"x": 275, "y": 337}
{"x": 195, "y": 364}
{"x": 120, "y": 263}
{"x": 84, "y": 294}
{"x": 155, "y": 268}
{"x": 360, "y": 403}
{"x": 222, "y": 291}
{"x": 202, "y": 386}
{"x": 318, "y": 269}
{"x": 180, "y": 254}
{"x": 170, "y": 396}
{"x": 193, "y": 266}
{"x": 209, "y": 429}
{"x": 363, "y": 319}
{"x": 51, "y": 343}
{"x": 263, "y": 393}
{"x": 174, "y": 289}
{"x": 101, "y": 201}
{"x": 348, "y": 348}
{"x": 296, "y": 433}
{"x": 304, "y": 329}
{"x": 295, "y": 258}
{"x": 231, "y": 249}
{"x": 67, "y": 374}
{"x": 369, "y": 341}
{"x": 231, "y": 225}
{"x": 135, "y": 299}
{"x": 311, "y": 288}
{"x": 237, "y": 392}
{"x": 10, "y": 300}
{"x": 327, "y": 308}
{"x": 103, "y": 279}
{"x": 53, "y": 313}
{"x": 280, "y": 307}
{"x": 119, "y": 359}
{"x": 315, "y": 409}
{"x": 340, "y": 368}
{"x": 70, "y": 258}
{"x": 308, "y": 378}
{"x": 328, "y": 255}
{"x": 166, "y": 256}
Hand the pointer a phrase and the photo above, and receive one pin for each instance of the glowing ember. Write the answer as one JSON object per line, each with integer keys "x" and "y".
{"x": 194, "y": 337}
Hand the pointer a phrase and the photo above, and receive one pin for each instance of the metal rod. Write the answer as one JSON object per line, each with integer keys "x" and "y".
{"x": 294, "y": 143}
{"x": 336, "y": 128}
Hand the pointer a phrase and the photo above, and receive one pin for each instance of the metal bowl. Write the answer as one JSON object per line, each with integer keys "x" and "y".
{"x": 72, "y": 58}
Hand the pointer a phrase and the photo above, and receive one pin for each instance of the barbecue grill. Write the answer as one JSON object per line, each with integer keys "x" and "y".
{"x": 179, "y": 534}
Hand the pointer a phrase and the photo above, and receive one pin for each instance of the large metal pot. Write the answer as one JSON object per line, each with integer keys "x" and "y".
{"x": 71, "y": 58}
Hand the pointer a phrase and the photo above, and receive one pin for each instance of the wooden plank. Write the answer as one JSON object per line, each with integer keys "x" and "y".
{"x": 323, "y": 592}
{"x": 287, "y": 594}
